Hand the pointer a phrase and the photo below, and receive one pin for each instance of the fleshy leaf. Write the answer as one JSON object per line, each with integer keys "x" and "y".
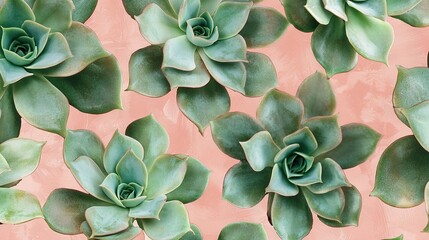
{"x": 146, "y": 76}
{"x": 260, "y": 151}
{"x": 151, "y": 135}
{"x": 190, "y": 189}
{"x": 173, "y": 222}
{"x": 229, "y": 50}
{"x": 102, "y": 83}
{"x": 64, "y": 210}
{"x": 263, "y": 27}
{"x": 279, "y": 184}
{"x": 417, "y": 16}
{"x": 326, "y": 131}
{"x": 261, "y": 75}
{"x": 201, "y": 105}
{"x": 13, "y": 13}
{"x": 337, "y": 7}
{"x": 188, "y": 9}
{"x": 243, "y": 230}
{"x": 398, "y": 7}
{"x": 232, "y": 128}
{"x": 106, "y": 220}
{"x": 18, "y": 206}
{"x": 149, "y": 208}
{"x": 318, "y": 11}
{"x": 128, "y": 234}
{"x": 305, "y": 138}
{"x": 165, "y": 175}
{"x": 333, "y": 177}
{"x": 316, "y": 94}
{"x": 417, "y": 118}
{"x": 329, "y": 205}
{"x": 313, "y": 176}
{"x": 196, "y": 78}
{"x": 41, "y": 104}
{"x": 370, "y": 37}
{"x": 372, "y": 8}
{"x": 179, "y": 53}
{"x": 244, "y": 187}
{"x": 11, "y": 73}
{"x": 136, "y": 7}
{"x": 401, "y": 173}
{"x": 132, "y": 170}
{"x": 83, "y": 9}
{"x": 291, "y": 217}
{"x": 358, "y": 143}
{"x": 8, "y": 117}
{"x": 4, "y": 166}
{"x": 298, "y": 16}
{"x": 230, "y": 18}
{"x": 193, "y": 234}
{"x": 280, "y": 113}
{"x": 55, "y": 14}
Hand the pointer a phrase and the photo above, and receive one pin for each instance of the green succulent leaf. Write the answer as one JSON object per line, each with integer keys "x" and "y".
{"x": 151, "y": 135}
{"x": 417, "y": 16}
{"x": 298, "y": 16}
{"x": 146, "y": 76}
{"x": 11, "y": 73}
{"x": 8, "y": 116}
{"x": 83, "y": 54}
{"x": 244, "y": 187}
{"x": 401, "y": 173}
{"x": 329, "y": 205}
{"x": 279, "y": 184}
{"x": 173, "y": 222}
{"x": 261, "y": 75}
{"x": 398, "y": 7}
{"x": 41, "y": 104}
{"x": 136, "y": 7}
{"x": 313, "y": 176}
{"x": 337, "y": 7}
{"x": 230, "y": 18}
{"x": 305, "y": 138}
{"x": 318, "y": 11}
{"x": 190, "y": 189}
{"x": 116, "y": 149}
{"x": 149, "y": 208}
{"x": 280, "y": 114}
{"x": 18, "y": 206}
{"x": 193, "y": 234}
{"x": 13, "y": 13}
{"x": 201, "y": 105}
{"x": 83, "y": 9}
{"x": 179, "y": 46}
{"x": 128, "y": 234}
{"x": 64, "y": 210}
{"x": 372, "y": 8}
{"x": 263, "y": 27}
{"x": 316, "y": 94}
{"x": 358, "y": 143}
{"x": 165, "y": 175}
{"x": 229, "y": 50}
{"x": 417, "y": 118}
{"x": 243, "y": 230}
{"x": 370, "y": 37}
{"x": 326, "y": 131}
{"x": 291, "y": 217}
{"x": 131, "y": 169}
{"x": 55, "y": 14}
{"x": 188, "y": 9}
{"x": 102, "y": 88}
{"x": 260, "y": 151}
{"x": 196, "y": 78}
{"x": 333, "y": 177}
{"x": 230, "y": 129}
{"x": 156, "y": 26}
{"x": 4, "y": 166}
{"x": 106, "y": 220}
{"x": 209, "y": 5}
{"x": 351, "y": 212}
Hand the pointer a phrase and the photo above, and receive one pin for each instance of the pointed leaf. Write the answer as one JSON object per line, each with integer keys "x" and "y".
{"x": 149, "y": 208}
{"x": 209, "y": 6}
{"x": 244, "y": 187}
{"x": 179, "y": 54}
{"x": 313, "y": 176}
{"x": 196, "y": 78}
{"x": 317, "y": 9}
{"x": 4, "y": 166}
{"x": 279, "y": 184}
{"x": 372, "y": 8}
{"x": 83, "y": 9}
{"x": 326, "y": 131}
{"x": 146, "y": 76}
{"x": 401, "y": 173}
{"x": 9, "y": 118}
{"x": 228, "y": 50}
{"x": 304, "y": 138}
{"x": 13, "y": 13}
{"x": 329, "y": 205}
{"x": 11, "y": 73}
{"x": 193, "y": 234}
{"x": 230, "y": 18}
{"x": 243, "y": 230}
{"x": 64, "y": 210}
{"x": 337, "y": 7}
{"x": 55, "y": 14}
{"x": 129, "y": 233}
{"x": 398, "y": 7}
{"x": 232, "y": 128}
{"x": 298, "y": 16}
{"x": 188, "y": 9}
{"x": 136, "y": 7}
{"x": 417, "y": 16}
{"x": 18, "y": 206}
{"x": 132, "y": 170}
{"x": 106, "y": 220}
{"x": 261, "y": 75}
{"x": 201, "y": 105}
{"x": 417, "y": 118}
{"x": 260, "y": 151}
{"x": 333, "y": 177}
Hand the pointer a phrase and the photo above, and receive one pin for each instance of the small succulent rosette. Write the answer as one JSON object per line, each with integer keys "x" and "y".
{"x": 402, "y": 173}
{"x": 412, "y": 12}
{"x": 18, "y": 159}
{"x": 200, "y": 47}
{"x": 48, "y": 61}
{"x": 296, "y": 154}
{"x": 342, "y": 30}
{"x": 132, "y": 180}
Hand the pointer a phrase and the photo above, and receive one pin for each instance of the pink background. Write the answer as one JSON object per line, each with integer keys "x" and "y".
{"x": 363, "y": 95}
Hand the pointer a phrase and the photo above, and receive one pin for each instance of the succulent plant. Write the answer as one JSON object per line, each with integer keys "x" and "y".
{"x": 133, "y": 179}
{"x": 296, "y": 154}
{"x": 233, "y": 231}
{"x": 200, "y": 47}
{"x": 343, "y": 29}
{"x": 413, "y": 12}
{"x": 402, "y": 172}
{"x": 18, "y": 159}
{"x": 47, "y": 61}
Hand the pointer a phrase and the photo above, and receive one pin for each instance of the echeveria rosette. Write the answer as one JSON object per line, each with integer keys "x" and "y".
{"x": 18, "y": 159}
{"x": 412, "y": 12}
{"x": 342, "y": 30}
{"x": 401, "y": 178}
{"x": 296, "y": 154}
{"x": 132, "y": 179}
{"x": 200, "y": 47}
{"x": 48, "y": 61}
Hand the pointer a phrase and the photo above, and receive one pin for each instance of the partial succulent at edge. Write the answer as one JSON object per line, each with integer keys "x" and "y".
{"x": 131, "y": 180}
{"x": 295, "y": 153}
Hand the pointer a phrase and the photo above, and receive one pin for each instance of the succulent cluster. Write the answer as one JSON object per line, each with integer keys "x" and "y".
{"x": 296, "y": 155}
{"x": 200, "y": 47}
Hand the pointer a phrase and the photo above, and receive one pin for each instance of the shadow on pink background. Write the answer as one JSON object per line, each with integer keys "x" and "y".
{"x": 363, "y": 95}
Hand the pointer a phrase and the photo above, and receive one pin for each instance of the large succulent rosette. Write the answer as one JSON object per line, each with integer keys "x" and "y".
{"x": 18, "y": 159}
{"x": 402, "y": 173}
{"x": 48, "y": 61}
{"x": 296, "y": 154}
{"x": 342, "y": 30}
{"x": 131, "y": 180}
{"x": 200, "y": 47}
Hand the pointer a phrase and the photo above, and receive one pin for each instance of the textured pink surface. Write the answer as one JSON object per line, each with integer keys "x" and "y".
{"x": 363, "y": 95}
